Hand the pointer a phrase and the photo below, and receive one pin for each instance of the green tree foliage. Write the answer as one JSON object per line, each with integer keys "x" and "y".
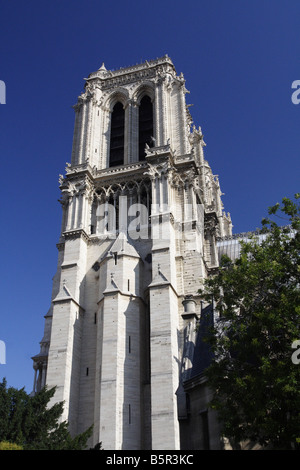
{"x": 253, "y": 378}
{"x": 9, "y": 446}
{"x": 27, "y": 420}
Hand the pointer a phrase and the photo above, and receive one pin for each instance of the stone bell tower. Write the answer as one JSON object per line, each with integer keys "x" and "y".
{"x": 141, "y": 213}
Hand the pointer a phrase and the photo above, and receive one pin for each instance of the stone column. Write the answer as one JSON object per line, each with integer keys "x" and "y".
{"x": 76, "y": 134}
{"x": 70, "y": 213}
{"x": 164, "y": 335}
{"x": 164, "y": 365}
{"x": 81, "y": 133}
{"x": 134, "y": 132}
{"x": 65, "y": 347}
{"x": 105, "y": 138}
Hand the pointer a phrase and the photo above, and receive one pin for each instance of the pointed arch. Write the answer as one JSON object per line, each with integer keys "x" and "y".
{"x": 146, "y": 127}
{"x": 117, "y": 133}
{"x": 146, "y": 88}
{"x": 115, "y": 104}
{"x": 119, "y": 94}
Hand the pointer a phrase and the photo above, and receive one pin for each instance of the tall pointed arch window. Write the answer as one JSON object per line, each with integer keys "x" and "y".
{"x": 116, "y": 154}
{"x": 145, "y": 125}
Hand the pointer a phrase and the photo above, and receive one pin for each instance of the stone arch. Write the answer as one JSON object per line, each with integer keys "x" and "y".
{"x": 121, "y": 95}
{"x": 145, "y": 117}
{"x": 146, "y": 88}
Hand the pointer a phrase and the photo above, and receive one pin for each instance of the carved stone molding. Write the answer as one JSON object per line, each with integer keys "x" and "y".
{"x": 210, "y": 223}
{"x": 75, "y": 184}
{"x": 106, "y": 79}
{"x": 162, "y": 150}
{"x": 77, "y": 233}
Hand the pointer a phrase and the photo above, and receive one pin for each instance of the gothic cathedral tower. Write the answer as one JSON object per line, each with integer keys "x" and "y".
{"x": 141, "y": 213}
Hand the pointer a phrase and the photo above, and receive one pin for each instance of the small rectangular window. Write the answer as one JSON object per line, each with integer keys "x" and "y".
{"x": 87, "y": 371}
{"x": 205, "y": 430}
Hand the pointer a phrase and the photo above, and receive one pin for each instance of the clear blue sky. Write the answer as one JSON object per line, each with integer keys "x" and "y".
{"x": 239, "y": 59}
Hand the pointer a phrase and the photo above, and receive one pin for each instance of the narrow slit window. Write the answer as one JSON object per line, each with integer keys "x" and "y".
{"x": 145, "y": 126}
{"x": 205, "y": 430}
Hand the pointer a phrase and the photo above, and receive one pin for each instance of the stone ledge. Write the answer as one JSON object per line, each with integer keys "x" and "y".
{"x": 76, "y": 233}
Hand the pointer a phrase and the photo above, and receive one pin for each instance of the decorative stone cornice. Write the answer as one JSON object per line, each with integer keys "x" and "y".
{"x": 77, "y": 233}
{"x": 75, "y": 184}
{"x": 184, "y": 159}
{"x": 239, "y": 236}
{"x": 129, "y": 169}
{"x": 82, "y": 167}
{"x": 139, "y": 72}
{"x": 161, "y": 151}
